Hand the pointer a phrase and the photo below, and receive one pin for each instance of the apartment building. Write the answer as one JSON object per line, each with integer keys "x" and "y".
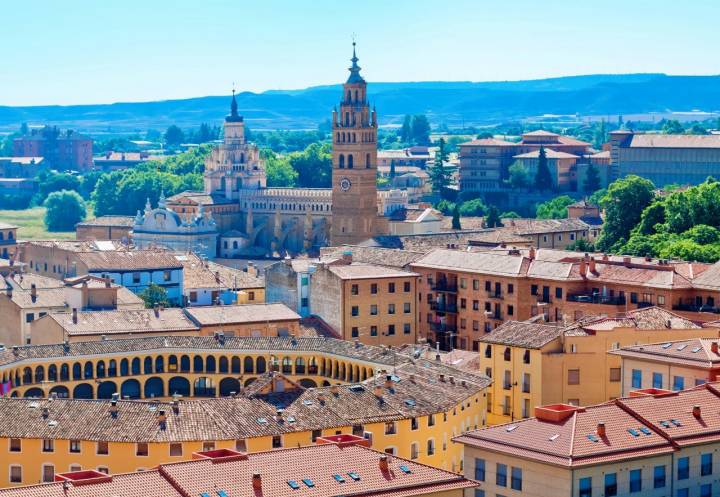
{"x": 8, "y": 240}
{"x": 535, "y": 363}
{"x": 674, "y": 364}
{"x": 62, "y": 151}
{"x": 105, "y": 228}
{"x": 336, "y": 464}
{"x": 651, "y": 443}
{"x": 251, "y": 394}
{"x": 462, "y": 295}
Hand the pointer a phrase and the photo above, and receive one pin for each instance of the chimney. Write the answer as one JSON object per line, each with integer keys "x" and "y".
{"x": 33, "y": 292}
{"x": 714, "y": 347}
{"x": 605, "y": 257}
{"x": 357, "y": 343}
{"x": 347, "y": 257}
{"x": 279, "y": 415}
{"x": 10, "y": 292}
{"x": 335, "y": 390}
{"x": 384, "y": 463}
{"x": 74, "y": 315}
{"x": 388, "y": 382}
{"x": 438, "y": 358}
{"x": 176, "y": 406}
{"x": 531, "y": 254}
{"x": 107, "y": 283}
{"x": 583, "y": 268}
{"x": 321, "y": 398}
{"x": 217, "y": 276}
{"x": 113, "y": 408}
{"x": 696, "y": 411}
{"x": 601, "y": 429}
{"x": 162, "y": 419}
{"x": 378, "y": 391}
{"x": 626, "y": 261}
{"x": 592, "y": 265}
{"x": 257, "y": 481}
{"x": 45, "y": 412}
{"x": 452, "y": 380}
{"x": 442, "y": 378}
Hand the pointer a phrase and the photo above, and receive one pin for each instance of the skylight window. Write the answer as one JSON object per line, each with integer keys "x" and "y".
{"x": 666, "y": 345}
{"x": 395, "y": 378}
{"x": 665, "y": 424}
{"x": 510, "y": 428}
{"x": 222, "y": 493}
{"x": 262, "y": 421}
{"x": 633, "y": 432}
{"x": 410, "y": 403}
{"x": 695, "y": 350}
{"x": 554, "y": 437}
{"x": 291, "y": 419}
{"x": 405, "y": 469}
{"x": 645, "y": 430}
{"x": 308, "y": 482}
{"x": 682, "y": 347}
{"x": 339, "y": 478}
{"x": 293, "y": 484}
{"x": 592, "y": 437}
{"x": 357, "y": 388}
{"x": 354, "y": 476}
{"x": 204, "y": 494}
{"x": 676, "y": 422}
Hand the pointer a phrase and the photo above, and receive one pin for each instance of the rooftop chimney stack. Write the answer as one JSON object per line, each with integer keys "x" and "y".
{"x": 531, "y": 253}
{"x": 442, "y": 378}
{"x": 162, "y": 419}
{"x": 113, "y": 408}
{"x": 583, "y": 268}
{"x": 601, "y": 429}
{"x": 74, "y": 315}
{"x": 388, "y": 382}
{"x": 626, "y": 261}
{"x": 33, "y": 292}
{"x": 714, "y": 347}
{"x": 384, "y": 466}
{"x": 257, "y": 481}
{"x": 378, "y": 391}
{"x": 696, "y": 411}
{"x": 592, "y": 266}
{"x": 45, "y": 413}
{"x": 335, "y": 390}
{"x": 321, "y": 398}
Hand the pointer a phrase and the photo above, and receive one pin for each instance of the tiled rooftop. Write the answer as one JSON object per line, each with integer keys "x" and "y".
{"x": 110, "y": 220}
{"x": 652, "y": 422}
{"x": 316, "y": 471}
{"x": 374, "y": 255}
{"x": 129, "y": 260}
{"x": 236, "y": 278}
{"x": 523, "y": 334}
{"x": 124, "y": 321}
{"x": 695, "y": 352}
{"x": 245, "y": 313}
{"x": 360, "y": 271}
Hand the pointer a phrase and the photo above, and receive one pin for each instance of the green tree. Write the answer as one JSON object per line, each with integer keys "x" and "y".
{"x": 673, "y": 127}
{"x": 624, "y": 203}
{"x": 592, "y": 179}
{"x": 697, "y": 129}
{"x": 439, "y": 175}
{"x": 519, "y": 177}
{"x": 456, "y": 218}
{"x": 313, "y": 165}
{"x": 420, "y": 130}
{"x": 474, "y": 207}
{"x": 279, "y": 171}
{"x": 392, "y": 168}
{"x": 601, "y": 135}
{"x": 445, "y": 206}
{"x": 154, "y": 295}
{"x": 543, "y": 177}
{"x": 581, "y": 245}
{"x": 596, "y": 197}
{"x": 696, "y": 205}
{"x": 174, "y": 136}
{"x": 406, "y": 129}
{"x": 510, "y": 215}
{"x": 64, "y": 209}
{"x": 492, "y": 220}
{"x": 555, "y": 208}
{"x": 49, "y": 182}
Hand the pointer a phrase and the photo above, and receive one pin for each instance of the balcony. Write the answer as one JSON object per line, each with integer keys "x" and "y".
{"x": 495, "y": 295}
{"x": 596, "y": 299}
{"x": 696, "y": 308}
{"x": 443, "y": 307}
{"x": 444, "y": 286}
{"x": 544, "y": 299}
{"x": 443, "y": 328}
{"x": 494, "y": 315}
{"x": 526, "y": 387}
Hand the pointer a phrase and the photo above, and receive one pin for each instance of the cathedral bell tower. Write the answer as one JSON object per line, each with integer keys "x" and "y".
{"x": 354, "y": 160}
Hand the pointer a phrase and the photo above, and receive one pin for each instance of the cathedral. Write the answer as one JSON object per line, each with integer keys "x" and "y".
{"x": 253, "y": 220}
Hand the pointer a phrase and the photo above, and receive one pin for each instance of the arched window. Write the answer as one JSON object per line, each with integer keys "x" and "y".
{"x": 147, "y": 366}
{"x": 185, "y": 364}
{"x": 242, "y": 157}
{"x": 356, "y": 95}
{"x": 341, "y": 161}
{"x": 64, "y": 372}
{"x": 349, "y": 96}
{"x": 124, "y": 367}
{"x": 52, "y": 372}
{"x": 27, "y": 376}
{"x": 89, "y": 369}
{"x": 112, "y": 368}
{"x": 210, "y": 364}
{"x": 337, "y": 137}
{"x": 367, "y": 161}
{"x": 222, "y": 183}
{"x": 197, "y": 364}
{"x": 10, "y": 235}
{"x": 347, "y": 119}
{"x": 223, "y": 365}
{"x": 159, "y": 364}
{"x": 235, "y": 365}
{"x": 350, "y": 161}
{"x": 248, "y": 366}
{"x": 354, "y": 137}
{"x": 100, "y": 369}
{"x": 235, "y": 244}
{"x": 77, "y": 371}
{"x": 135, "y": 366}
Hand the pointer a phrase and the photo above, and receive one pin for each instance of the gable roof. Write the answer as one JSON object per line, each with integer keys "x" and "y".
{"x": 523, "y": 334}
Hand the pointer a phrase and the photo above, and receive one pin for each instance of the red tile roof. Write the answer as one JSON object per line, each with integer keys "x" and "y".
{"x": 234, "y": 476}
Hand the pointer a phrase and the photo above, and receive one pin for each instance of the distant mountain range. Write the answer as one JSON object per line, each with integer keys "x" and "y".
{"x": 453, "y": 103}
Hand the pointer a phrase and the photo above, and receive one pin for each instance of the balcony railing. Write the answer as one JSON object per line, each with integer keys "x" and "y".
{"x": 443, "y": 328}
{"x": 544, "y": 300}
{"x": 596, "y": 299}
{"x": 443, "y": 307}
{"x": 495, "y": 295}
{"x": 696, "y": 308}
{"x": 444, "y": 286}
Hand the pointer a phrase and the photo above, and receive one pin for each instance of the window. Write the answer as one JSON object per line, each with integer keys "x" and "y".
{"x": 48, "y": 445}
{"x": 355, "y": 310}
{"x": 706, "y": 464}
{"x": 678, "y": 383}
{"x": 136, "y": 277}
{"x": 373, "y": 331}
{"x": 615, "y": 374}
{"x": 430, "y": 447}
{"x": 431, "y": 420}
{"x": 414, "y": 450}
{"x": 391, "y": 287}
{"x": 706, "y": 490}
{"x": 406, "y": 307}
{"x": 683, "y": 492}
{"x": 558, "y": 293}
{"x": 659, "y": 477}
{"x": 633, "y": 298}
{"x": 533, "y": 289}
{"x": 15, "y": 445}
{"x": 510, "y": 310}
{"x": 391, "y": 329}
{"x": 141, "y": 449}
{"x": 240, "y": 446}
{"x": 506, "y": 354}
{"x": 176, "y": 449}
{"x": 479, "y": 469}
{"x": 463, "y": 303}
{"x": 661, "y": 300}
{"x": 373, "y": 288}
{"x": 193, "y": 296}
{"x": 277, "y": 442}
{"x": 610, "y": 484}
{"x": 104, "y": 469}
{"x": 511, "y": 288}
{"x": 15, "y": 474}
{"x": 29, "y": 317}
{"x": 501, "y": 475}
{"x": 354, "y": 332}
{"x": 585, "y": 487}
{"x": 75, "y": 446}
{"x": 636, "y": 378}
{"x": 414, "y": 425}
{"x": 479, "y": 493}
{"x": 683, "y": 468}
{"x": 354, "y": 290}
{"x": 390, "y": 428}
{"x": 103, "y": 448}
{"x": 635, "y": 480}
{"x": 373, "y": 310}
{"x": 657, "y": 380}
{"x": 315, "y": 435}
{"x": 48, "y": 473}
{"x": 476, "y": 305}
{"x": 573, "y": 376}
{"x": 406, "y": 286}
{"x": 516, "y": 478}
{"x": 407, "y": 329}
{"x": 391, "y": 308}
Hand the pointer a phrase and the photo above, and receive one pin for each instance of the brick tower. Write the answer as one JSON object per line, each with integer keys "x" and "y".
{"x": 354, "y": 187}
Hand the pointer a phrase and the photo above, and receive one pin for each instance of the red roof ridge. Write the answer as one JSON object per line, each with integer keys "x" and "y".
{"x": 646, "y": 422}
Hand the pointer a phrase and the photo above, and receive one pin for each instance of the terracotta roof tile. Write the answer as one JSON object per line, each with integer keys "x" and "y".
{"x": 245, "y": 313}
{"x": 523, "y": 334}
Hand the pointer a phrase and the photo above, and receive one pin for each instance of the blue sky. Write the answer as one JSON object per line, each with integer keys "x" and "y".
{"x": 98, "y": 51}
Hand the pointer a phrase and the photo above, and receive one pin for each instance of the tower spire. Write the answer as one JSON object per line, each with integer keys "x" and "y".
{"x": 355, "y": 69}
{"x": 233, "y": 116}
